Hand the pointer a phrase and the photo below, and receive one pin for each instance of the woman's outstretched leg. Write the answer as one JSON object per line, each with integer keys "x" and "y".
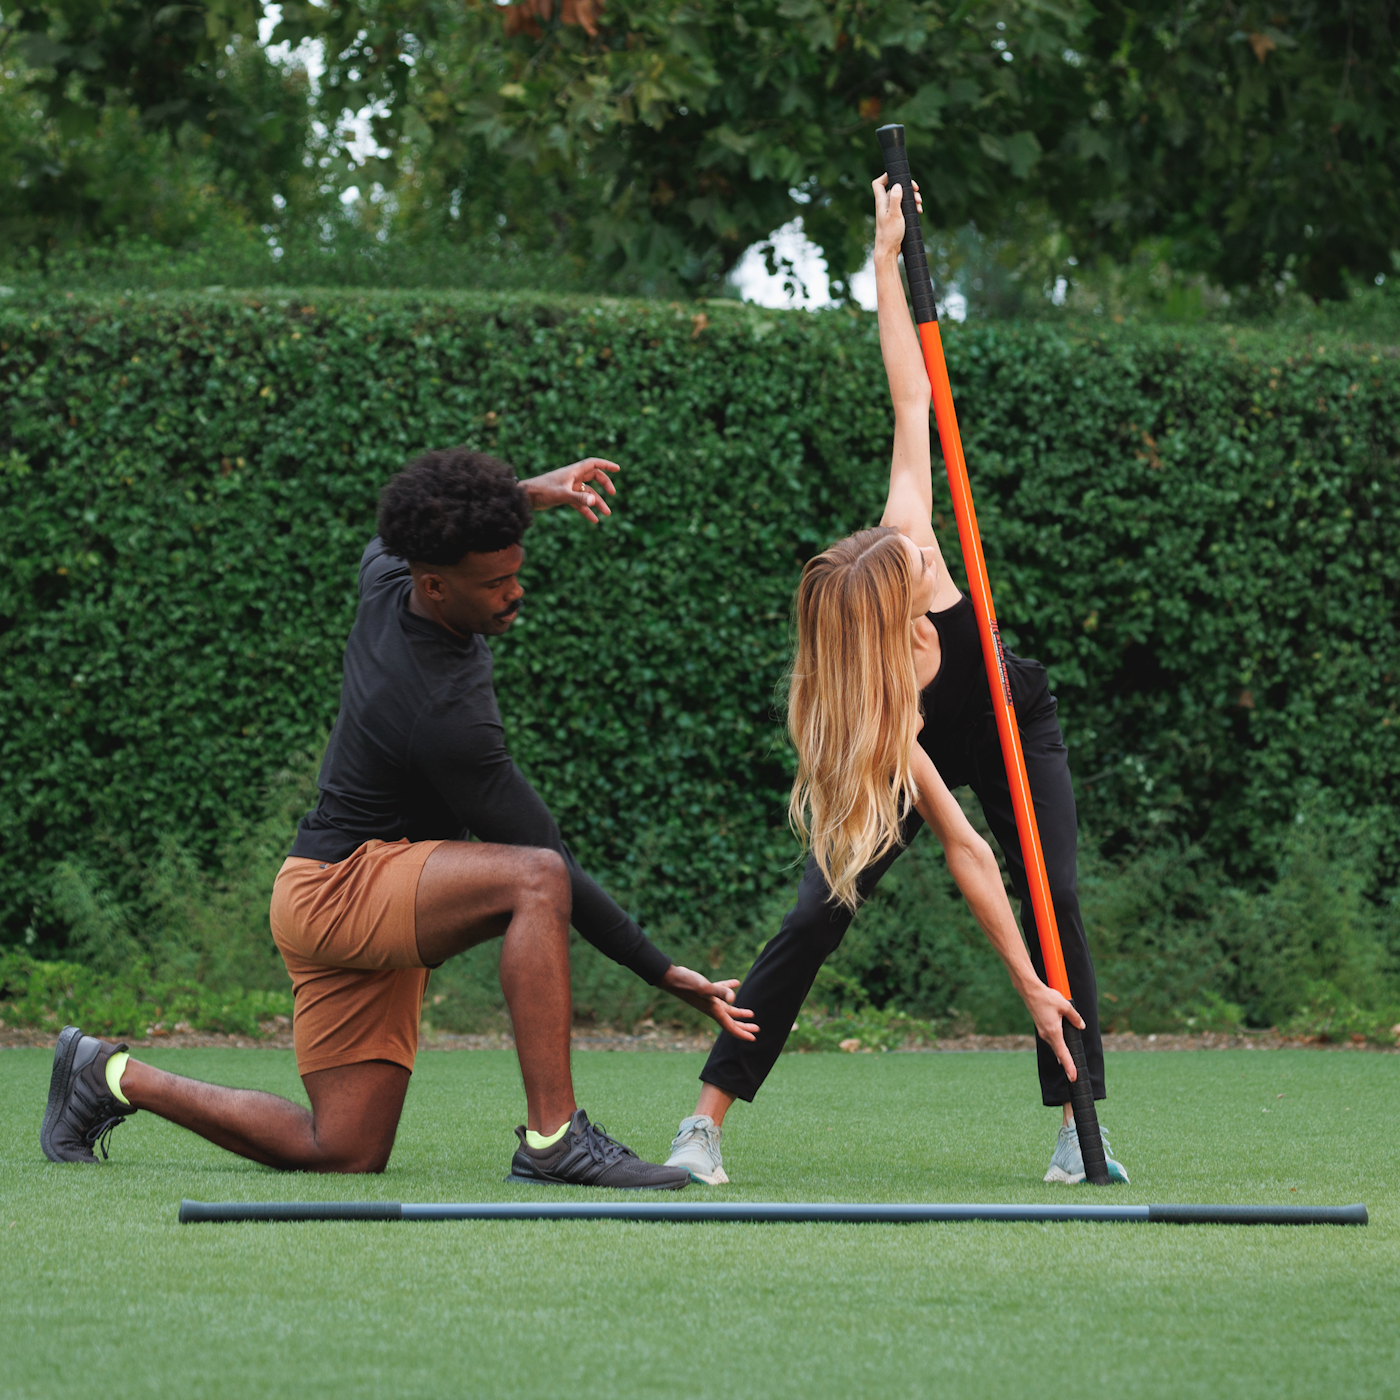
{"x": 1047, "y": 767}
{"x": 778, "y": 983}
{"x": 784, "y": 972}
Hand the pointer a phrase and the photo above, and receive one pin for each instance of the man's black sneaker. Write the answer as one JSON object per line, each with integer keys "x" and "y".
{"x": 587, "y": 1156}
{"x": 82, "y": 1110}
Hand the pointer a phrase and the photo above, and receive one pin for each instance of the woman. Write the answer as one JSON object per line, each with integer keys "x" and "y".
{"x": 889, "y": 710}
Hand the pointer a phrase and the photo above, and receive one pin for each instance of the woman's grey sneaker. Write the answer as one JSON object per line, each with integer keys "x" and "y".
{"x": 587, "y": 1156}
{"x": 696, "y": 1148}
{"x": 1067, "y": 1164}
{"x": 82, "y": 1111}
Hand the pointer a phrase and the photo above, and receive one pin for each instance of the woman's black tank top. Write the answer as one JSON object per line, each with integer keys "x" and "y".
{"x": 957, "y": 703}
{"x": 961, "y": 681}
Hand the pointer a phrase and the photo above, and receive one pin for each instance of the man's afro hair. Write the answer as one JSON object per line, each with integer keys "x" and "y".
{"x": 452, "y": 502}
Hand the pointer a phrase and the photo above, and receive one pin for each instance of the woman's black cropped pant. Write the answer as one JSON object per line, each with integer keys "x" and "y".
{"x": 779, "y": 981}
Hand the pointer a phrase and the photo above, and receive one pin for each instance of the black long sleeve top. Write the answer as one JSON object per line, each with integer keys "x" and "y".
{"x": 418, "y": 751}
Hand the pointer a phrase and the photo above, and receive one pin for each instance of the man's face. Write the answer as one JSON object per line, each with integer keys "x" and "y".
{"x": 479, "y": 593}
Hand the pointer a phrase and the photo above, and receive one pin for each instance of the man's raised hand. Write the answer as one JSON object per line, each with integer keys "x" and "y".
{"x": 570, "y": 486}
{"x": 715, "y": 999}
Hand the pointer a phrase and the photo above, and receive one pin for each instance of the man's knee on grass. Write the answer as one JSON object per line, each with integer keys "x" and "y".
{"x": 355, "y": 1113}
{"x": 352, "y": 1159}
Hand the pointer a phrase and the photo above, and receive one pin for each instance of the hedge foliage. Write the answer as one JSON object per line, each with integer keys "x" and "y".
{"x": 1197, "y": 531}
{"x": 51, "y": 995}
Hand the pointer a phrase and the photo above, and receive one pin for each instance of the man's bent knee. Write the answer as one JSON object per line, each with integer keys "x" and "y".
{"x": 547, "y": 876}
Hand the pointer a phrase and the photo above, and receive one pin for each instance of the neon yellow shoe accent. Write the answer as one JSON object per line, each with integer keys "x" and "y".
{"x": 537, "y": 1140}
{"x": 116, "y": 1066}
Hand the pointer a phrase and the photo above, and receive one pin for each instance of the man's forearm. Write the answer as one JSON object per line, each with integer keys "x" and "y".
{"x": 496, "y": 802}
{"x": 601, "y": 922}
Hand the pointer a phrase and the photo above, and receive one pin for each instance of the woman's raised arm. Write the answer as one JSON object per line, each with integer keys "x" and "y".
{"x": 909, "y": 506}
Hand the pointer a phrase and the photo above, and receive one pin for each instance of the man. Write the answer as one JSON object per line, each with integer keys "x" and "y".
{"x": 382, "y": 885}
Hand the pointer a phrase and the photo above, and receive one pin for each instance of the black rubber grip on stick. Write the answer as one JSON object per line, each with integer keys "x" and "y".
{"x": 1258, "y": 1215}
{"x": 193, "y": 1212}
{"x": 1086, "y": 1118}
{"x": 915, "y": 259}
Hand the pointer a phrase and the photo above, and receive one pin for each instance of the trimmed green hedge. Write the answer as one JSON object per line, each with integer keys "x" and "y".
{"x": 1199, "y": 534}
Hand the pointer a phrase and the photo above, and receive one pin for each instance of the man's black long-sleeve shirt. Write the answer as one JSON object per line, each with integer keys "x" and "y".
{"x": 418, "y": 751}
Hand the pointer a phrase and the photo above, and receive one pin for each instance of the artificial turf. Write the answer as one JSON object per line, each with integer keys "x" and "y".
{"x": 102, "y": 1291}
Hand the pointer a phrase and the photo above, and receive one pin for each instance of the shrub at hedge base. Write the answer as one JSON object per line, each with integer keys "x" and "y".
{"x": 1197, "y": 532}
{"x": 51, "y": 995}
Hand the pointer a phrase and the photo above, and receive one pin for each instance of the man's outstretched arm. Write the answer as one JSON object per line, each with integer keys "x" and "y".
{"x": 471, "y": 769}
{"x": 610, "y": 924}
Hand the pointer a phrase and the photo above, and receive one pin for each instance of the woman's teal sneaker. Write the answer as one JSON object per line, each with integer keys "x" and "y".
{"x": 1067, "y": 1164}
{"x": 696, "y": 1148}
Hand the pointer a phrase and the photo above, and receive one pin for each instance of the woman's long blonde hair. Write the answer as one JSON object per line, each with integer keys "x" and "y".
{"x": 853, "y": 705}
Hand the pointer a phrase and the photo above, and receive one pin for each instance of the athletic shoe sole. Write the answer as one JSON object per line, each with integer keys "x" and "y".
{"x": 1059, "y": 1174}
{"x": 548, "y": 1181}
{"x": 60, "y": 1084}
{"x": 718, "y": 1178}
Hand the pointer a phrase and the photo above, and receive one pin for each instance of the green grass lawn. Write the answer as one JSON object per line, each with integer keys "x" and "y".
{"x": 101, "y": 1291}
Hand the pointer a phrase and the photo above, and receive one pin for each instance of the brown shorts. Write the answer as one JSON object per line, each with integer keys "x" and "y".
{"x": 346, "y": 932}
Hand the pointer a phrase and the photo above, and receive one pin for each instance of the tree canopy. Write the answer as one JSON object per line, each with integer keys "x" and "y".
{"x": 1260, "y": 139}
{"x": 142, "y": 116}
{"x": 653, "y": 141}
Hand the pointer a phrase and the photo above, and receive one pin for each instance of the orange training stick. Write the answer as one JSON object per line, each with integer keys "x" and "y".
{"x": 1002, "y": 705}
